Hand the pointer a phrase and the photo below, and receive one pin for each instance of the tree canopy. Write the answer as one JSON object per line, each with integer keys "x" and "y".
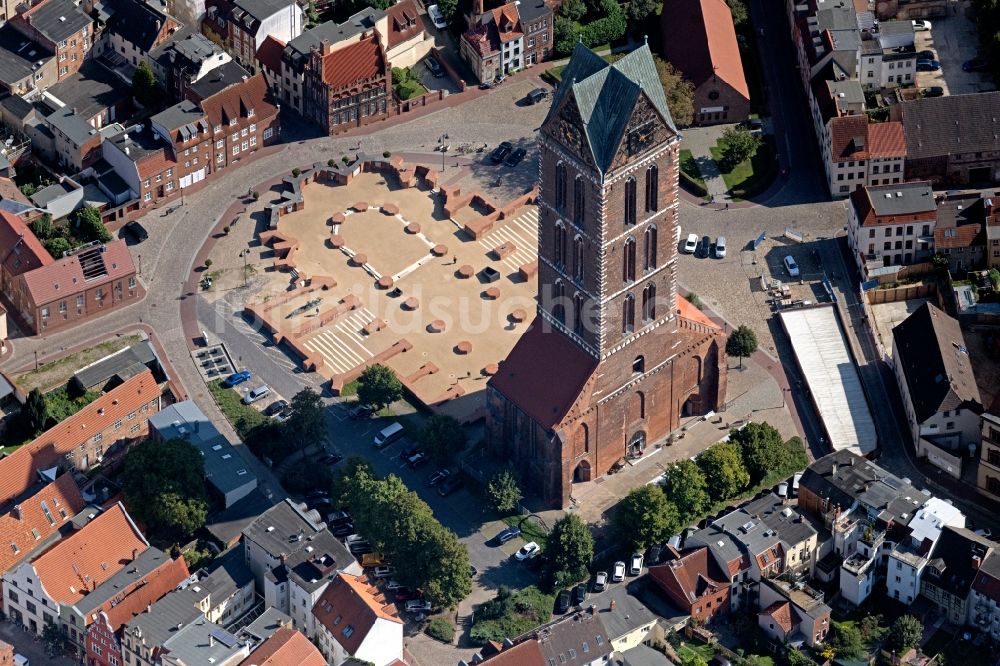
{"x": 742, "y": 343}
{"x": 570, "y": 548}
{"x": 738, "y": 145}
{"x": 503, "y": 491}
{"x": 304, "y": 475}
{"x": 35, "y": 412}
{"x": 144, "y": 87}
{"x": 905, "y": 632}
{"x": 307, "y": 424}
{"x": 686, "y": 487}
{"x": 442, "y": 437}
{"x": 645, "y": 517}
{"x": 378, "y": 386}
{"x": 164, "y": 484}
{"x": 89, "y": 226}
{"x": 761, "y": 447}
{"x": 724, "y": 470}
{"x": 846, "y": 641}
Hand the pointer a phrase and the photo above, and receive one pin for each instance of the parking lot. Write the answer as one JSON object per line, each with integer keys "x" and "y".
{"x": 954, "y": 40}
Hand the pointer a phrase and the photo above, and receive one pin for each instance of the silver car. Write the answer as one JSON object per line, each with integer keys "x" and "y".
{"x": 720, "y": 247}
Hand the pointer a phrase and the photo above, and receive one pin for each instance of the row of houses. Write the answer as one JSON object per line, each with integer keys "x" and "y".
{"x": 848, "y": 57}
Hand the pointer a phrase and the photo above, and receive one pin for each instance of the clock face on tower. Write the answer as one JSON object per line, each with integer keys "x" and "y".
{"x": 642, "y": 137}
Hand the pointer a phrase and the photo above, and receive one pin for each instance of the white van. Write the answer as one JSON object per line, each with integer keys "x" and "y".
{"x": 388, "y": 435}
{"x": 256, "y": 394}
{"x": 20, "y": 660}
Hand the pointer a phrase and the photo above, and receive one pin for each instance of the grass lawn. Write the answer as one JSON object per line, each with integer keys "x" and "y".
{"x": 511, "y": 613}
{"x": 692, "y": 650}
{"x": 61, "y": 406}
{"x": 690, "y": 167}
{"x": 350, "y": 388}
{"x": 749, "y": 176}
{"x": 243, "y": 418}
{"x": 410, "y": 89}
{"x": 530, "y": 529}
{"x": 59, "y": 371}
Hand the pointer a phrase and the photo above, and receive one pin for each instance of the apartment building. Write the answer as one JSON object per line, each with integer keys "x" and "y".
{"x": 347, "y": 87}
{"x": 988, "y": 473}
{"x": 891, "y": 225}
{"x": 62, "y": 28}
{"x": 241, "y": 26}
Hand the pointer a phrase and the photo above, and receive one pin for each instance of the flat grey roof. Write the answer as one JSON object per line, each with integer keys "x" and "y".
{"x": 72, "y": 125}
{"x": 333, "y": 32}
{"x": 219, "y": 79}
{"x": 91, "y": 90}
{"x": 59, "y": 19}
{"x": 203, "y": 642}
{"x": 831, "y": 376}
{"x": 264, "y": 626}
{"x": 149, "y": 560}
{"x": 283, "y": 528}
{"x": 18, "y": 55}
{"x": 629, "y": 612}
{"x": 50, "y": 193}
{"x": 902, "y": 198}
{"x": 182, "y": 114}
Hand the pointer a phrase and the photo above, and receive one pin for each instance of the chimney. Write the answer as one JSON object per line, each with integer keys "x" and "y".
{"x": 17, "y": 511}
{"x": 135, "y": 553}
{"x": 327, "y": 47}
{"x": 211, "y": 640}
{"x": 976, "y": 562}
{"x": 833, "y": 469}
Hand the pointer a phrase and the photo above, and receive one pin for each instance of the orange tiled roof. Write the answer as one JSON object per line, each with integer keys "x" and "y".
{"x": 358, "y": 62}
{"x": 687, "y": 578}
{"x": 690, "y": 312}
{"x": 781, "y": 613}
{"x": 63, "y": 278}
{"x": 87, "y": 558}
{"x": 528, "y": 653}
{"x": 886, "y": 140}
{"x": 964, "y": 235}
{"x": 285, "y": 646}
{"x": 699, "y": 39}
{"x": 236, "y": 100}
{"x": 507, "y": 22}
{"x": 404, "y": 23}
{"x": 18, "y": 471}
{"x": 155, "y": 585}
{"x": 30, "y": 254}
{"x": 352, "y": 600}
{"x": 849, "y": 138}
{"x": 19, "y": 526}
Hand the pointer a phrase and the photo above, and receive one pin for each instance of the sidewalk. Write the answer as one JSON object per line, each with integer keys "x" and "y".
{"x": 699, "y": 140}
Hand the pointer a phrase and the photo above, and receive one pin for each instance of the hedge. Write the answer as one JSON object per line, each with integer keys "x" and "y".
{"x": 441, "y": 629}
{"x": 691, "y": 185}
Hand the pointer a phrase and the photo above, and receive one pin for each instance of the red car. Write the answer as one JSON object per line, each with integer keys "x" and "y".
{"x": 404, "y": 594}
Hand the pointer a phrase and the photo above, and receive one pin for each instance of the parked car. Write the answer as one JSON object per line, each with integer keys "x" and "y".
{"x": 536, "y": 96}
{"x": 791, "y": 266}
{"x": 360, "y": 411}
{"x": 928, "y": 65}
{"x": 501, "y": 152}
{"x": 275, "y": 407}
{"x": 691, "y": 244}
{"x": 434, "y": 66}
{"x": 654, "y": 553}
{"x": 932, "y": 91}
{"x": 342, "y": 530}
{"x": 136, "y": 231}
{"x": 515, "y": 157}
{"x": 977, "y": 64}
{"x": 406, "y": 594}
{"x": 921, "y": 25}
{"x": 409, "y": 451}
{"x": 926, "y": 54}
{"x": 437, "y": 18}
{"x": 527, "y": 551}
{"x": 508, "y": 534}
{"x": 339, "y": 518}
{"x": 418, "y": 606}
{"x": 284, "y": 415}
{"x": 706, "y": 246}
{"x": 635, "y": 564}
{"x": 417, "y": 460}
{"x": 330, "y": 459}
{"x": 562, "y": 602}
{"x": 394, "y": 585}
{"x": 618, "y": 572}
{"x": 450, "y": 485}
{"x": 255, "y": 394}
{"x": 720, "y": 247}
{"x": 601, "y": 581}
{"x": 236, "y": 378}
{"x": 438, "y": 476}
{"x": 579, "y": 594}
{"x": 384, "y": 572}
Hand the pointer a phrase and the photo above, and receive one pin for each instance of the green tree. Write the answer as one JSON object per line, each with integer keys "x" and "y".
{"x": 447, "y": 563}
{"x": 645, "y": 517}
{"x": 303, "y": 476}
{"x": 871, "y": 628}
{"x": 794, "y": 657}
{"x": 738, "y": 145}
{"x": 847, "y": 641}
{"x": 399, "y": 75}
{"x": 762, "y": 448}
{"x": 36, "y": 412}
{"x": 679, "y": 92}
{"x": 57, "y": 246}
{"x": 739, "y": 11}
{"x": 312, "y": 15}
{"x": 724, "y": 470}
{"x": 164, "y": 484}
{"x": 378, "y": 386}
{"x": 570, "y": 549}
{"x": 42, "y": 227}
{"x": 442, "y": 438}
{"x": 693, "y": 660}
{"x": 27, "y": 189}
{"x": 687, "y": 489}
{"x": 574, "y": 10}
{"x": 904, "y": 633}
{"x": 55, "y": 638}
{"x": 503, "y": 491}
{"x": 144, "y": 87}
{"x": 307, "y": 423}
{"x": 742, "y": 342}
{"x": 447, "y": 7}
{"x": 639, "y": 10}
{"x": 343, "y": 480}
{"x": 565, "y": 35}
{"x": 89, "y": 227}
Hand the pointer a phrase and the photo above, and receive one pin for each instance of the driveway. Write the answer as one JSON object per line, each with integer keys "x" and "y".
{"x": 954, "y": 39}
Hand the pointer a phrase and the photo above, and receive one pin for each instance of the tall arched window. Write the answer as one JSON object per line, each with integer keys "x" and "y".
{"x": 560, "y": 186}
{"x": 650, "y": 249}
{"x": 630, "y": 202}
{"x": 578, "y": 259}
{"x": 559, "y": 252}
{"x": 649, "y": 302}
{"x": 639, "y": 364}
{"x": 579, "y": 200}
{"x": 628, "y": 260}
{"x": 628, "y": 314}
{"x": 652, "y": 188}
{"x": 578, "y": 313}
{"x": 559, "y": 301}
{"x": 585, "y": 436}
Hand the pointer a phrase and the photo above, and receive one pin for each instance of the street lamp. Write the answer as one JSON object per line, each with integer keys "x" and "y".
{"x": 244, "y": 254}
{"x": 783, "y": 392}
{"x": 140, "y": 264}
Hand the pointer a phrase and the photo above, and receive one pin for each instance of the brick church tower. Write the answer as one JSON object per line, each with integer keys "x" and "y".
{"x": 614, "y": 357}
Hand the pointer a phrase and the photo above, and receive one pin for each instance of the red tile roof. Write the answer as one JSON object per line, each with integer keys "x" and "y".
{"x": 64, "y": 277}
{"x": 687, "y": 579}
{"x": 352, "y": 600}
{"x": 20, "y": 525}
{"x": 353, "y": 64}
{"x": 849, "y": 138}
{"x": 886, "y": 140}
{"x": 525, "y": 376}
{"x": 236, "y": 100}
{"x": 691, "y": 313}
{"x": 155, "y": 585}
{"x": 404, "y": 23}
{"x": 269, "y": 53}
{"x": 87, "y": 558}
{"x": 528, "y": 653}
{"x": 285, "y": 646}
{"x": 964, "y": 235}
{"x": 699, "y": 39}
{"x": 18, "y": 471}
{"x": 781, "y": 613}
{"x": 156, "y": 163}
{"x": 26, "y": 255}
{"x": 507, "y": 22}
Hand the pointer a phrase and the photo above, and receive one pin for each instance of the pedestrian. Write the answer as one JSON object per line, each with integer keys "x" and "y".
{"x": 727, "y": 205}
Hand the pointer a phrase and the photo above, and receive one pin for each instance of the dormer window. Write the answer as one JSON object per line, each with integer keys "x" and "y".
{"x": 250, "y": 112}
{"x": 232, "y": 121}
